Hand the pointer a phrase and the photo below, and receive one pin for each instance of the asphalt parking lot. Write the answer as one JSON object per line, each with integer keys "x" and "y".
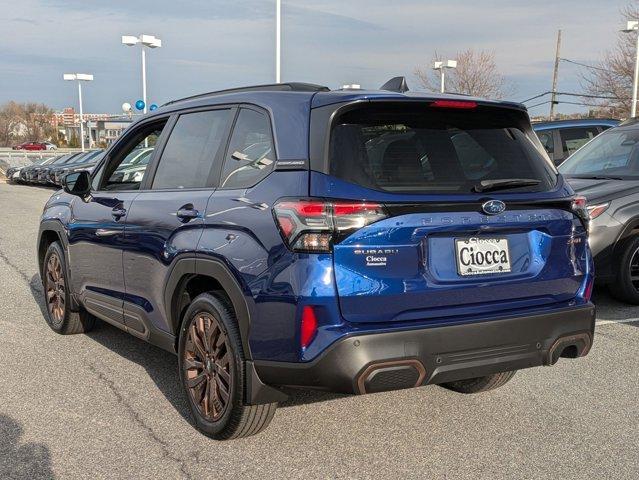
{"x": 106, "y": 405}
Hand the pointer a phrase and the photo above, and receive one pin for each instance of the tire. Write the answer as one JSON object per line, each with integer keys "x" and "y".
{"x": 480, "y": 384}
{"x": 57, "y": 296}
{"x": 622, "y": 287}
{"x": 217, "y": 366}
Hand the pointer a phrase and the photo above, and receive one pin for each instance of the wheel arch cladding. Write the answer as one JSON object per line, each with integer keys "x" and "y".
{"x": 190, "y": 277}
{"x": 50, "y": 231}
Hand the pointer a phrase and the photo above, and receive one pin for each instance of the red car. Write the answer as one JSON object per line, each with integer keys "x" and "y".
{"x": 30, "y": 146}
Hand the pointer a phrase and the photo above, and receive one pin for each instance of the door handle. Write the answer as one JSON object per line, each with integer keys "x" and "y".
{"x": 187, "y": 213}
{"x": 117, "y": 213}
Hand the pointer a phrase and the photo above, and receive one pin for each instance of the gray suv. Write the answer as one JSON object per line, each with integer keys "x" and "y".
{"x": 606, "y": 172}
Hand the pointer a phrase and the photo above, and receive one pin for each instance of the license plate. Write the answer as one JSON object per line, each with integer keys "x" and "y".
{"x": 482, "y": 255}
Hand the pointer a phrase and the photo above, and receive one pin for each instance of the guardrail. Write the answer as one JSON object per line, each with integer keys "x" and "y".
{"x": 17, "y": 157}
{"x": 35, "y": 154}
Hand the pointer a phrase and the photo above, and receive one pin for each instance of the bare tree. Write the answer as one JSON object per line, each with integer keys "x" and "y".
{"x": 37, "y": 120}
{"x": 10, "y": 121}
{"x": 476, "y": 74}
{"x": 25, "y": 121}
{"x": 613, "y": 75}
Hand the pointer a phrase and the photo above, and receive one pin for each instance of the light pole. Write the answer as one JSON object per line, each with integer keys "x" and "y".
{"x": 633, "y": 26}
{"x": 146, "y": 41}
{"x": 79, "y": 77}
{"x": 441, "y": 66}
{"x": 278, "y": 39}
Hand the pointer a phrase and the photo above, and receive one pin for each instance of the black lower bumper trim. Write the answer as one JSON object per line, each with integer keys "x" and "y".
{"x": 446, "y": 353}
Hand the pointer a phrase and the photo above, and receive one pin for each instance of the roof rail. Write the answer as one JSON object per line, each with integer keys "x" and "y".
{"x": 275, "y": 87}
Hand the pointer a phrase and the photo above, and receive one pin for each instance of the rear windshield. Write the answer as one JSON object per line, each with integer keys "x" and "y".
{"x": 399, "y": 148}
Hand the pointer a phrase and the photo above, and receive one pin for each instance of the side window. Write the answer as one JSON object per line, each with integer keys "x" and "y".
{"x": 97, "y": 176}
{"x": 188, "y": 157}
{"x": 127, "y": 166}
{"x": 250, "y": 155}
{"x": 547, "y": 141}
{"x": 572, "y": 139}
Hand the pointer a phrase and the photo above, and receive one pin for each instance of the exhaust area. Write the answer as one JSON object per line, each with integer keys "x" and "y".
{"x": 571, "y": 346}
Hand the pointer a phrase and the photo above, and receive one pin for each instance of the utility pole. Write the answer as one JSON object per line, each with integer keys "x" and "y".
{"x": 553, "y": 98}
{"x": 632, "y": 27}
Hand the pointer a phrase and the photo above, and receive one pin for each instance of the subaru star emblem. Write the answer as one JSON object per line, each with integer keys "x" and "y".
{"x": 493, "y": 207}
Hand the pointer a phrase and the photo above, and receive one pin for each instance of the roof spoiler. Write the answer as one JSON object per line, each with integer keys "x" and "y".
{"x": 396, "y": 84}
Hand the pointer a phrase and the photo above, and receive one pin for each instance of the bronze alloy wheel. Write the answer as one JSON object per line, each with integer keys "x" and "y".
{"x": 207, "y": 367}
{"x": 56, "y": 289}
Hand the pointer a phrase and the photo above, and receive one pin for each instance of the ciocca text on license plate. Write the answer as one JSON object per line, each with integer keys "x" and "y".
{"x": 482, "y": 255}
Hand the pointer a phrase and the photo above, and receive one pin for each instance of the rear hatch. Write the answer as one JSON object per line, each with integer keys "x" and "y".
{"x": 475, "y": 219}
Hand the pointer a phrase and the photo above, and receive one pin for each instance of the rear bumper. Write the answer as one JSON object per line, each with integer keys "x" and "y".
{"x": 409, "y": 358}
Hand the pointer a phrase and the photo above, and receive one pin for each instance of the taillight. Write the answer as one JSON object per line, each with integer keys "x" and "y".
{"x": 579, "y": 206}
{"x": 311, "y": 225}
{"x": 595, "y": 210}
{"x": 308, "y": 326}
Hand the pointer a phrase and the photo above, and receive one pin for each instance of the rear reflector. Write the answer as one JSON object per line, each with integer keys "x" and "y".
{"x": 588, "y": 289}
{"x": 460, "y": 104}
{"x": 308, "y": 326}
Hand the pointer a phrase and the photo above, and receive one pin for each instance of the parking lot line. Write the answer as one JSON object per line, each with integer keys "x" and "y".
{"x": 609, "y": 322}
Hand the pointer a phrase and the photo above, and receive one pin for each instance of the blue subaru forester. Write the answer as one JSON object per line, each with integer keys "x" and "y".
{"x": 352, "y": 241}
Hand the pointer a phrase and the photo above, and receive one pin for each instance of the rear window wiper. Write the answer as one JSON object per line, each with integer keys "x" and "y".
{"x": 503, "y": 183}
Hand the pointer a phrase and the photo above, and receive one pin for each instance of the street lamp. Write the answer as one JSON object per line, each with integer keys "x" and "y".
{"x": 633, "y": 26}
{"x": 79, "y": 77}
{"x": 442, "y": 66}
{"x": 150, "y": 41}
{"x": 278, "y": 39}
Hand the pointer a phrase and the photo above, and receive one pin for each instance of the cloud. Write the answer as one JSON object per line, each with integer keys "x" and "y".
{"x": 214, "y": 44}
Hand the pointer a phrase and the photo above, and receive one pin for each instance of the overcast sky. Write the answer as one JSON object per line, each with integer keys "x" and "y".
{"x": 214, "y": 44}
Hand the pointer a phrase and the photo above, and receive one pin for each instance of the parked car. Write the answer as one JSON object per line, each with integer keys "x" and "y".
{"x": 86, "y": 161}
{"x": 133, "y": 167}
{"x": 268, "y": 244}
{"x": 27, "y": 173}
{"x": 10, "y": 171}
{"x": 50, "y": 146}
{"x": 564, "y": 137}
{"x": 13, "y": 171}
{"x": 38, "y": 173}
{"x": 606, "y": 172}
{"x": 30, "y": 146}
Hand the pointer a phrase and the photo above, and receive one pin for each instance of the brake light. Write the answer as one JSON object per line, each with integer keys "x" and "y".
{"x": 460, "y": 104}
{"x": 309, "y": 225}
{"x": 308, "y": 326}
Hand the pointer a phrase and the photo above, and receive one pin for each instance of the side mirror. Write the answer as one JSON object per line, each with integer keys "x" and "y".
{"x": 77, "y": 183}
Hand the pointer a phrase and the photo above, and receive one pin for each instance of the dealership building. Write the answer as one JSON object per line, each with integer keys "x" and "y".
{"x": 99, "y": 128}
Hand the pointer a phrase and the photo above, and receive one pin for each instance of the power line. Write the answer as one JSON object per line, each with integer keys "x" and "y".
{"x": 572, "y": 94}
{"x": 584, "y": 104}
{"x": 587, "y": 95}
{"x": 585, "y": 65}
{"x": 538, "y": 104}
{"x": 536, "y": 96}
{"x": 562, "y": 102}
